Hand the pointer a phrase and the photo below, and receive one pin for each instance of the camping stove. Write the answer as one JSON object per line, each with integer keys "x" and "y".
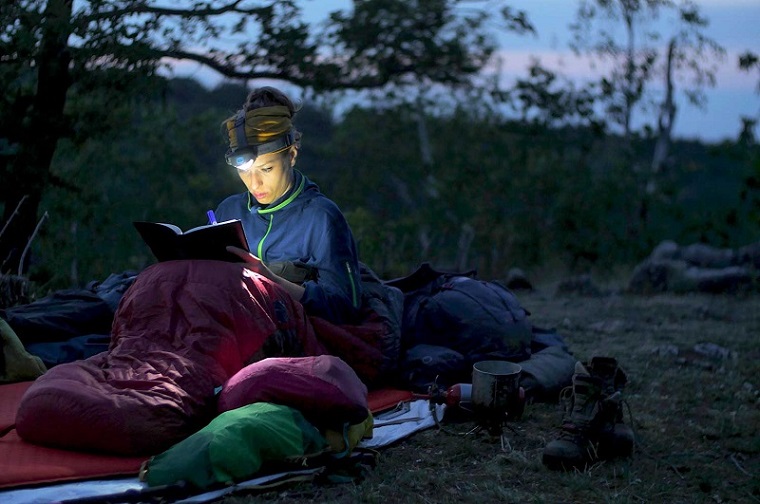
{"x": 494, "y": 397}
{"x": 497, "y": 396}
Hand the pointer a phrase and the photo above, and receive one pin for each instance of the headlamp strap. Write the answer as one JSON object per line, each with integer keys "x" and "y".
{"x": 242, "y": 141}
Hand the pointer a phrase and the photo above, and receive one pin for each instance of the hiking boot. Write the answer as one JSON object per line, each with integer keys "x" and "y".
{"x": 616, "y": 439}
{"x": 607, "y": 369}
{"x": 573, "y": 448}
{"x": 593, "y": 428}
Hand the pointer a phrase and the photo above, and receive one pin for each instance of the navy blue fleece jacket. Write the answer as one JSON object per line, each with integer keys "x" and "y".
{"x": 304, "y": 225}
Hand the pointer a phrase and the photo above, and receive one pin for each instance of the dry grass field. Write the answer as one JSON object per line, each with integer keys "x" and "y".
{"x": 693, "y": 363}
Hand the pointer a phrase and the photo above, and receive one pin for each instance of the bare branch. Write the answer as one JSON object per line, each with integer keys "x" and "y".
{"x": 29, "y": 243}
{"x": 228, "y": 70}
{"x": 15, "y": 212}
{"x": 145, "y": 8}
{"x": 306, "y": 80}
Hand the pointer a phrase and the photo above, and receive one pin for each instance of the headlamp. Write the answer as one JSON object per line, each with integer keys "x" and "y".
{"x": 243, "y": 157}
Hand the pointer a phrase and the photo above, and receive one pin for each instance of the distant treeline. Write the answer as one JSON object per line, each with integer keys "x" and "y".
{"x": 459, "y": 190}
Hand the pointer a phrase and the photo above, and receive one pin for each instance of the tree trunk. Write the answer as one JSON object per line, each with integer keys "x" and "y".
{"x": 630, "y": 70}
{"x": 662, "y": 147}
{"x": 466, "y": 235}
{"x": 664, "y": 121}
{"x": 29, "y": 169}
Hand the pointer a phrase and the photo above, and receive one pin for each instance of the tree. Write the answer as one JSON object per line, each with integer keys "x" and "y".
{"x": 747, "y": 142}
{"x": 543, "y": 100}
{"x": 749, "y": 62}
{"x": 679, "y": 53}
{"x": 66, "y": 66}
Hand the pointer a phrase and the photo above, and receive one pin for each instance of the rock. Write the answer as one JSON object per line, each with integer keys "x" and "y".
{"x": 666, "y": 350}
{"x": 705, "y": 256}
{"x": 748, "y": 256}
{"x": 690, "y": 270}
{"x": 666, "y": 251}
{"x": 714, "y": 280}
{"x": 652, "y": 276}
{"x": 518, "y": 280}
{"x": 713, "y": 351}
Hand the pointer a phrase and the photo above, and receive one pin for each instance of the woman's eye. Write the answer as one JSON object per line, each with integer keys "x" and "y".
{"x": 267, "y": 169}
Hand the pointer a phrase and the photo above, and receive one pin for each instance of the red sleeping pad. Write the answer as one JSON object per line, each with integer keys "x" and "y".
{"x": 23, "y": 464}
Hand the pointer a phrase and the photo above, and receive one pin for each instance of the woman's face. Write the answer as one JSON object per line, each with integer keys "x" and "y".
{"x": 270, "y": 175}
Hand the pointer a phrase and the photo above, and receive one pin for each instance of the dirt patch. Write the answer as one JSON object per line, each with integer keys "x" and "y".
{"x": 693, "y": 363}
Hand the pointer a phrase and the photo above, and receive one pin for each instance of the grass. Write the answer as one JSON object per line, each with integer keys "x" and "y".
{"x": 693, "y": 363}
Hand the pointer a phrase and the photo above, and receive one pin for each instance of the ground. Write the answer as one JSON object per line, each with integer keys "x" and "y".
{"x": 693, "y": 363}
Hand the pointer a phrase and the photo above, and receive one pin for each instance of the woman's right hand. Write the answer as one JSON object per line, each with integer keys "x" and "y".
{"x": 255, "y": 264}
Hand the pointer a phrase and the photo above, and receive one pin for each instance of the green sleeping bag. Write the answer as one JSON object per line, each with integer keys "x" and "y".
{"x": 234, "y": 446}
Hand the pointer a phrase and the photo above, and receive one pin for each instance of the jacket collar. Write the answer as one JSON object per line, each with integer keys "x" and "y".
{"x": 299, "y": 182}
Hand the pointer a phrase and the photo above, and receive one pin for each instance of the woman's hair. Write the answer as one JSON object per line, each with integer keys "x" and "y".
{"x": 266, "y": 96}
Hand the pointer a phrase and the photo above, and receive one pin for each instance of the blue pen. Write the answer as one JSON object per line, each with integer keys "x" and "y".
{"x": 211, "y": 217}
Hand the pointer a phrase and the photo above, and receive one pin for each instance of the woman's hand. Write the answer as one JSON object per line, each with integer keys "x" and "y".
{"x": 252, "y": 262}
{"x": 255, "y": 264}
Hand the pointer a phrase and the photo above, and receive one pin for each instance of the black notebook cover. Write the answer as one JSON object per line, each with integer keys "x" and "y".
{"x": 168, "y": 242}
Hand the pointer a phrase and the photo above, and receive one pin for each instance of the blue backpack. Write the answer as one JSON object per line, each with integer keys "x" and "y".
{"x": 447, "y": 315}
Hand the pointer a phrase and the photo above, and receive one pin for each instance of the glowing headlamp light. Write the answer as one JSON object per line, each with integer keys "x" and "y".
{"x": 243, "y": 157}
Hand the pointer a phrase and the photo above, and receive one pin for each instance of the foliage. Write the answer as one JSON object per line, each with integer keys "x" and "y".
{"x": 625, "y": 36}
{"x": 67, "y": 65}
{"x": 543, "y": 99}
{"x": 423, "y": 172}
{"x": 637, "y": 56}
{"x": 750, "y": 191}
{"x": 523, "y": 194}
{"x": 497, "y": 194}
{"x": 163, "y": 165}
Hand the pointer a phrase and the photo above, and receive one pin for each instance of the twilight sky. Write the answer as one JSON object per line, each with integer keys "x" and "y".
{"x": 733, "y": 24}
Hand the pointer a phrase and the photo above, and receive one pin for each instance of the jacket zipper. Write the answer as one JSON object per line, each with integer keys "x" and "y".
{"x": 260, "y": 247}
{"x": 352, "y": 281}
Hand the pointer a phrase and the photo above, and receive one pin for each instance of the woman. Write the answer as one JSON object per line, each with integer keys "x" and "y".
{"x": 288, "y": 222}
{"x": 184, "y": 328}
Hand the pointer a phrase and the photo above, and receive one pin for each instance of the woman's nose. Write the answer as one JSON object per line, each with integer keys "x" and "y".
{"x": 254, "y": 179}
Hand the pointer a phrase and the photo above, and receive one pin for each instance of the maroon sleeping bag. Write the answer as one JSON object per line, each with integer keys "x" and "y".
{"x": 181, "y": 330}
